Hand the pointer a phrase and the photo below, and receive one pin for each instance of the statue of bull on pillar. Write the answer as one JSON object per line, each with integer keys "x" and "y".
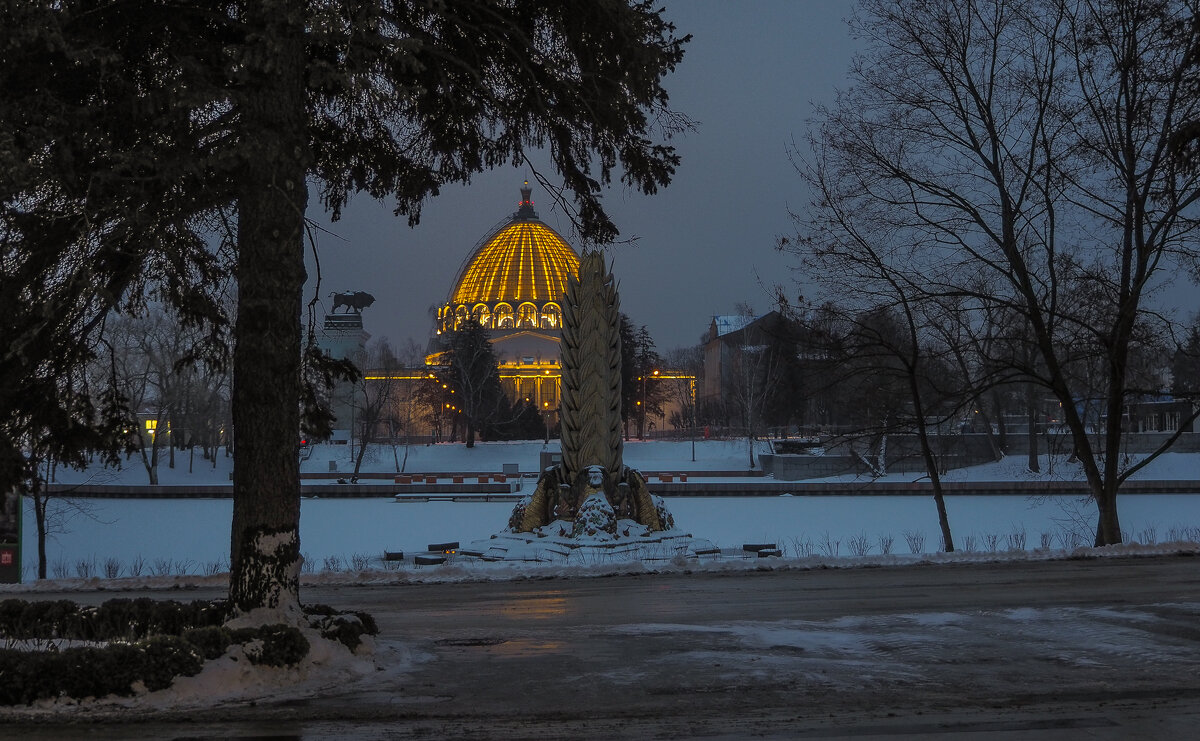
{"x": 355, "y": 301}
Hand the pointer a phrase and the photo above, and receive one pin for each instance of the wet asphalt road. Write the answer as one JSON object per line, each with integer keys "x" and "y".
{"x": 1096, "y": 649}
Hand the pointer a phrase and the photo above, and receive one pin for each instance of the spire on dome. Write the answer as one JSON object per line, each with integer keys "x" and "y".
{"x": 525, "y": 207}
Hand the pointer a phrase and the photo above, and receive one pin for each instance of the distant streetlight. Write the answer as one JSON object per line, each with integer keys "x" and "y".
{"x": 642, "y": 405}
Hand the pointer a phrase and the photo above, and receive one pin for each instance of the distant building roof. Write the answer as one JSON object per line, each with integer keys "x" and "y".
{"x": 726, "y": 323}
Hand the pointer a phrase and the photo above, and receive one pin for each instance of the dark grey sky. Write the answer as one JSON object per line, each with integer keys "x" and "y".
{"x": 705, "y": 243}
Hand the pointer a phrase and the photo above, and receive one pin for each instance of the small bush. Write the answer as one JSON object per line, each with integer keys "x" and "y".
{"x": 802, "y": 547}
{"x": 112, "y": 568}
{"x": 167, "y": 657}
{"x": 272, "y": 645}
{"x": 1016, "y": 540}
{"x": 829, "y": 546}
{"x": 859, "y": 545}
{"x": 345, "y": 628}
{"x": 85, "y": 568}
{"x": 915, "y": 540}
{"x": 885, "y": 543}
{"x": 211, "y": 641}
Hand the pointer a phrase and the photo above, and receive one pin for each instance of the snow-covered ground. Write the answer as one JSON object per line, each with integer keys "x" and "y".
{"x": 661, "y": 455}
{"x": 173, "y": 536}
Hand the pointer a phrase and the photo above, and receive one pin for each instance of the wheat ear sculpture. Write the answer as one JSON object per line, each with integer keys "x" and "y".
{"x": 590, "y": 409}
{"x": 591, "y": 361}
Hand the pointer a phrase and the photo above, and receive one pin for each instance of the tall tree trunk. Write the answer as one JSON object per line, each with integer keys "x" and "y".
{"x": 40, "y": 498}
{"x": 931, "y": 465}
{"x": 1031, "y": 416}
{"x": 1001, "y": 427}
{"x": 265, "y": 538}
{"x": 358, "y": 458}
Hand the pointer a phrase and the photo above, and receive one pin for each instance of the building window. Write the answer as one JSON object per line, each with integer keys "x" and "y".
{"x": 504, "y": 316}
{"x": 527, "y": 316}
{"x": 551, "y": 316}
{"x": 482, "y": 314}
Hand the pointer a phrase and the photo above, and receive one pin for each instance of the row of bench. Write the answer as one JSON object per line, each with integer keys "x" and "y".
{"x": 420, "y": 478}
{"x": 499, "y": 478}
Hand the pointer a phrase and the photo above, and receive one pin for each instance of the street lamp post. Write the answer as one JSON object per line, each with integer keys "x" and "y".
{"x": 642, "y": 405}
{"x": 642, "y": 411}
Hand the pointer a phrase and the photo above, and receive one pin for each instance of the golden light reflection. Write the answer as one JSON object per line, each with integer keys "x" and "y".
{"x": 521, "y": 647}
{"x": 537, "y": 606}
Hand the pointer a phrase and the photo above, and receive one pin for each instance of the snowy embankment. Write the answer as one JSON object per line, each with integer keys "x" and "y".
{"x": 93, "y": 538}
{"x": 726, "y": 456}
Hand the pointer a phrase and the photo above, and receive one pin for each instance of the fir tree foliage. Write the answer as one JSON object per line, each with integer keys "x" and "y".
{"x": 133, "y": 131}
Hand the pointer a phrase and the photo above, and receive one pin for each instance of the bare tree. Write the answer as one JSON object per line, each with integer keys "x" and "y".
{"x": 1028, "y": 143}
{"x": 752, "y": 373}
{"x": 376, "y": 399}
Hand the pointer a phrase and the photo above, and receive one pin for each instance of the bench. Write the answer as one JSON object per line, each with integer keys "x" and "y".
{"x": 758, "y": 548}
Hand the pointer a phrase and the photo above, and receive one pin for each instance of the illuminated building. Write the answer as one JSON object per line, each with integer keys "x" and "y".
{"x": 513, "y": 283}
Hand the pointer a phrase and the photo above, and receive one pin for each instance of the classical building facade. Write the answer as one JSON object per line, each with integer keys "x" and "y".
{"x": 513, "y": 283}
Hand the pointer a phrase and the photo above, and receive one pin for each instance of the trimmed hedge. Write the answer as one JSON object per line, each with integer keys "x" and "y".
{"x": 148, "y": 640}
{"x": 116, "y": 619}
{"x": 27, "y": 676}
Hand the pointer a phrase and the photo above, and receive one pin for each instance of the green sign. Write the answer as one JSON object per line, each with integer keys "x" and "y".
{"x": 10, "y": 538}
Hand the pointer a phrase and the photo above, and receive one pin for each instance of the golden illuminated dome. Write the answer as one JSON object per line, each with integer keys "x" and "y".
{"x": 516, "y": 278}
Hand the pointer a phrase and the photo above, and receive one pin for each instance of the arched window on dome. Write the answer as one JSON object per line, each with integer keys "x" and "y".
{"x": 482, "y": 314}
{"x": 460, "y": 315}
{"x": 527, "y": 315}
{"x": 504, "y": 316}
{"x": 551, "y": 316}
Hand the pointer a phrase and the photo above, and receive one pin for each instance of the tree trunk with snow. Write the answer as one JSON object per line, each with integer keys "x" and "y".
{"x": 265, "y": 547}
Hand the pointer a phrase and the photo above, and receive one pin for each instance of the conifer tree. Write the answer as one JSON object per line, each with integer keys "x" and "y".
{"x": 132, "y": 130}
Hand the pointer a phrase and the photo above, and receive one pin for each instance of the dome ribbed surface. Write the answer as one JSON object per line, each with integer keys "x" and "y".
{"x": 524, "y": 261}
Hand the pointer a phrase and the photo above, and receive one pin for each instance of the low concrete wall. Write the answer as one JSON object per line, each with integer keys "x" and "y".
{"x": 953, "y": 451}
{"x": 789, "y": 467}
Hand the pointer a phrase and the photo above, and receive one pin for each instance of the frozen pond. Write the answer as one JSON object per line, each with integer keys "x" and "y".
{"x": 193, "y": 534}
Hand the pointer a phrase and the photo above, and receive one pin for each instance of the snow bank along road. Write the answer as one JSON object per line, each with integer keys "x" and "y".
{"x": 1097, "y": 649}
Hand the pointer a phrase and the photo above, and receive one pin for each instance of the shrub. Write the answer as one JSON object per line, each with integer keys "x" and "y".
{"x": 167, "y": 657}
{"x": 151, "y": 641}
{"x": 272, "y": 645}
{"x": 345, "y": 628}
{"x": 211, "y": 641}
